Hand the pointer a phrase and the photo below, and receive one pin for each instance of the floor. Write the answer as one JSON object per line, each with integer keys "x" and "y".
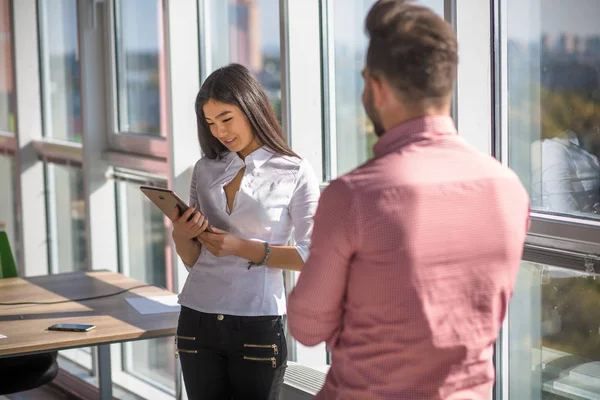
{"x": 41, "y": 393}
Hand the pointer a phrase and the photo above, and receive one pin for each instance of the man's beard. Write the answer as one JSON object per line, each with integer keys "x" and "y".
{"x": 372, "y": 114}
{"x": 377, "y": 127}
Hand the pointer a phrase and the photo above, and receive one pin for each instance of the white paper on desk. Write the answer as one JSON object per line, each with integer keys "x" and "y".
{"x": 2, "y": 336}
{"x": 154, "y": 304}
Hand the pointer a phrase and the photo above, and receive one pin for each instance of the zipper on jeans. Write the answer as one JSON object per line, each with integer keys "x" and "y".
{"x": 272, "y": 359}
{"x": 178, "y": 350}
{"x": 264, "y": 346}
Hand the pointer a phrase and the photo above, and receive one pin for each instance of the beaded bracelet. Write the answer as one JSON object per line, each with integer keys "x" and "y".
{"x": 264, "y": 261}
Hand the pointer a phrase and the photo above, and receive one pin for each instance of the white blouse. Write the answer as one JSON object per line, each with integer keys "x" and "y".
{"x": 276, "y": 194}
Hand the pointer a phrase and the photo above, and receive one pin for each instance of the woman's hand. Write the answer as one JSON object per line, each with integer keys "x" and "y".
{"x": 221, "y": 243}
{"x": 189, "y": 224}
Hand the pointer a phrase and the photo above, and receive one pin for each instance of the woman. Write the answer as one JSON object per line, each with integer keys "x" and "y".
{"x": 254, "y": 190}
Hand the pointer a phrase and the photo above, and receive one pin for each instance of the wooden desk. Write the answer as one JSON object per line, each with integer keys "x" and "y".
{"x": 116, "y": 320}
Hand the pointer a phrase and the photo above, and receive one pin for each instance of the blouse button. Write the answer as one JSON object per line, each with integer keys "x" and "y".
{"x": 220, "y": 317}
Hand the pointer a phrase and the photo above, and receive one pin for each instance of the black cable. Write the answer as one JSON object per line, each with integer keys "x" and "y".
{"x": 68, "y": 301}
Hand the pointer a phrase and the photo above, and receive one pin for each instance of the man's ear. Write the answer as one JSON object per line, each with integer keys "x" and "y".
{"x": 379, "y": 91}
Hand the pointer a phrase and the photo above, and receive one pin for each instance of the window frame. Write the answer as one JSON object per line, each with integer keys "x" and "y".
{"x": 47, "y": 134}
{"x": 575, "y": 234}
{"x": 5, "y": 134}
{"x": 132, "y": 142}
{"x": 558, "y": 240}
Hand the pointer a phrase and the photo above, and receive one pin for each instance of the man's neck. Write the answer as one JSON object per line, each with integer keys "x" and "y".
{"x": 402, "y": 118}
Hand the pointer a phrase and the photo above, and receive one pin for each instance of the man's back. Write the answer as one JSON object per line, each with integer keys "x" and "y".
{"x": 439, "y": 236}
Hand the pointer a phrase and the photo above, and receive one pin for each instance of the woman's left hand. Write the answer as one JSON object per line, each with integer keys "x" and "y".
{"x": 221, "y": 243}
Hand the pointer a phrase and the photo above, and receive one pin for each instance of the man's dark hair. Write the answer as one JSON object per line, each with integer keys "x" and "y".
{"x": 234, "y": 84}
{"x": 413, "y": 48}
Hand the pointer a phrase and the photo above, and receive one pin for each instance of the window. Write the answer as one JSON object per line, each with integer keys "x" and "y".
{"x": 143, "y": 243}
{"x": 553, "y": 57}
{"x": 7, "y": 94}
{"x": 8, "y": 206}
{"x": 66, "y": 218}
{"x": 59, "y": 58}
{"x": 247, "y": 32}
{"x": 351, "y": 135}
{"x": 139, "y": 53}
{"x": 552, "y": 109}
{"x": 553, "y": 340}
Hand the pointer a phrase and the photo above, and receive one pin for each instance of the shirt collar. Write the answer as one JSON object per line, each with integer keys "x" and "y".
{"x": 258, "y": 157}
{"x": 414, "y": 130}
{"x": 569, "y": 137}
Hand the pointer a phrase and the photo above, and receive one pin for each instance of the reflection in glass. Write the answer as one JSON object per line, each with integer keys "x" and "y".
{"x": 142, "y": 248}
{"x": 554, "y": 103}
{"x": 247, "y": 32}
{"x": 66, "y": 218}
{"x": 7, "y": 95}
{"x": 139, "y": 51}
{"x": 60, "y": 69}
{"x": 8, "y": 203}
{"x": 354, "y": 132}
{"x": 554, "y": 337}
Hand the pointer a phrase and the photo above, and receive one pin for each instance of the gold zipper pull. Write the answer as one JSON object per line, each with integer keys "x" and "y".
{"x": 274, "y": 362}
{"x": 275, "y": 349}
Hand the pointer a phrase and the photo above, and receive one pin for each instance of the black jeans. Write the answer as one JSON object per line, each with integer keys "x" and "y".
{"x": 231, "y": 357}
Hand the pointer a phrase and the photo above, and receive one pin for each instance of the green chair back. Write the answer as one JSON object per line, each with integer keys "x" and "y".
{"x": 8, "y": 267}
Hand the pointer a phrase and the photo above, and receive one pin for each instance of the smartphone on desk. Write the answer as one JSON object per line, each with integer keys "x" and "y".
{"x": 166, "y": 200}
{"x": 71, "y": 327}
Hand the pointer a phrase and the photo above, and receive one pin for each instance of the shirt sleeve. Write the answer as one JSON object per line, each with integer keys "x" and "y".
{"x": 303, "y": 205}
{"x": 315, "y": 308}
{"x": 193, "y": 200}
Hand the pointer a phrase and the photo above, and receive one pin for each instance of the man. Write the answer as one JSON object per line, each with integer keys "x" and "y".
{"x": 414, "y": 254}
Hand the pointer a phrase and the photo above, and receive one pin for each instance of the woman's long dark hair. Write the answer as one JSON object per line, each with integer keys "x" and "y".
{"x": 235, "y": 85}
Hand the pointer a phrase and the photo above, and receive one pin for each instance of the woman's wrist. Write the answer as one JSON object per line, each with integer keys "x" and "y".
{"x": 177, "y": 236}
{"x": 251, "y": 250}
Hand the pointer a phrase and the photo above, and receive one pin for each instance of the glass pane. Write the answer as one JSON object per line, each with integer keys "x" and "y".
{"x": 142, "y": 244}
{"x": 247, "y": 32}
{"x": 60, "y": 69}
{"x": 554, "y": 102}
{"x": 355, "y": 136}
{"x": 66, "y": 217}
{"x": 554, "y": 335}
{"x": 8, "y": 204}
{"x": 139, "y": 70}
{"x": 7, "y": 94}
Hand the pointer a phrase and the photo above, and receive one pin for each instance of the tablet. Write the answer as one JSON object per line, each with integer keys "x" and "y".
{"x": 166, "y": 200}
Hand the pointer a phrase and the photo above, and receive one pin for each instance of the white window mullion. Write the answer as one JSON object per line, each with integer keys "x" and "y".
{"x": 474, "y": 95}
{"x": 182, "y": 53}
{"x": 183, "y": 63}
{"x": 302, "y": 109}
{"x": 29, "y": 128}
{"x": 329, "y": 97}
{"x": 99, "y": 190}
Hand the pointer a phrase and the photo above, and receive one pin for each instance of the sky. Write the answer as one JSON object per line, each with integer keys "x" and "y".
{"x": 557, "y": 16}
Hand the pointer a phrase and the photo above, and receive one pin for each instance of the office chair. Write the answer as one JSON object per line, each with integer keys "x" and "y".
{"x": 21, "y": 373}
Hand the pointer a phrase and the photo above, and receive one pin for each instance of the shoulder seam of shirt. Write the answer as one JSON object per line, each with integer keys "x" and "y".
{"x": 298, "y": 176}
{"x": 291, "y": 159}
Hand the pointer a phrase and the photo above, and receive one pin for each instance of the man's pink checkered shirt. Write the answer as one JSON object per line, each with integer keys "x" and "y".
{"x": 413, "y": 261}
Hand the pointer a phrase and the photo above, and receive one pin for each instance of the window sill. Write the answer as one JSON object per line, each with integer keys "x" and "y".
{"x": 568, "y": 375}
{"x": 302, "y": 382}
